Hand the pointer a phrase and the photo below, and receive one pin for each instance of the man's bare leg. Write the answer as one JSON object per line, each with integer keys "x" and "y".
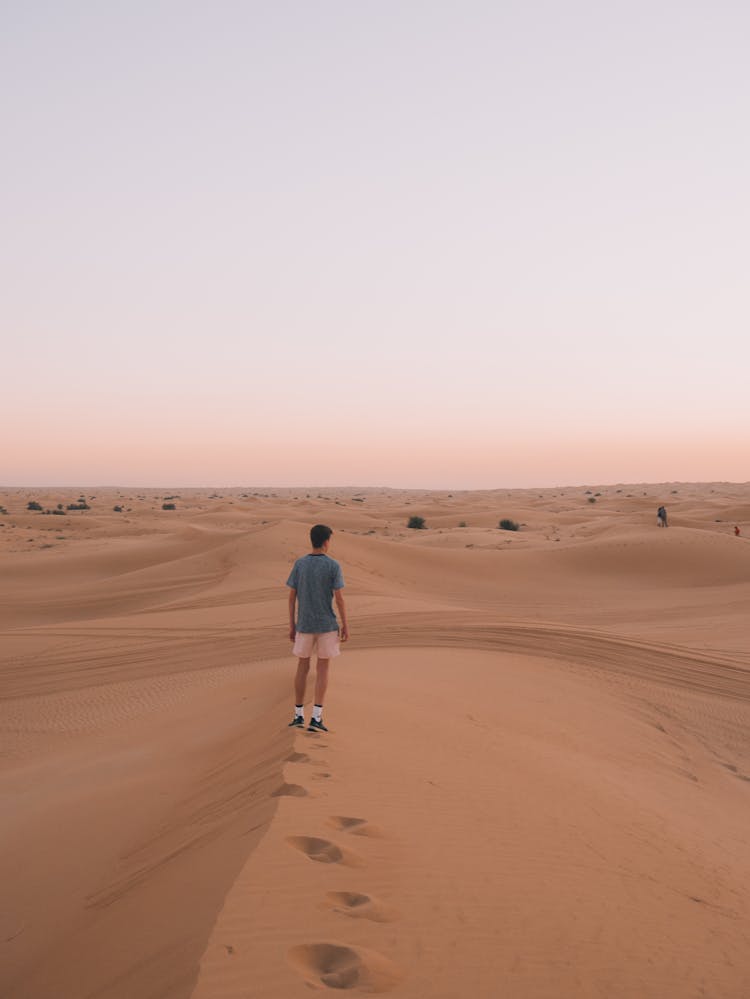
{"x": 321, "y": 680}
{"x": 300, "y": 680}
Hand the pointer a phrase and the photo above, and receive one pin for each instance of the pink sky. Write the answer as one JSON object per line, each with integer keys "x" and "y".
{"x": 199, "y": 457}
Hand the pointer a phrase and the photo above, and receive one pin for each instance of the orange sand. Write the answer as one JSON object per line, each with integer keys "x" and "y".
{"x": 536, "y": 784}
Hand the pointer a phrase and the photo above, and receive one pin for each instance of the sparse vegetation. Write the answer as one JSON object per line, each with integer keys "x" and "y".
{"x": 462, "y": 523}
{"x": 33, "y": 505}
{"x": 592, "y": 499}
{"x": 117, "y": 509}
{"x": 168, "y": 506}
{"x": 416, "y": 523}
{"x": 506, "y": 524}
{"x": 80, "y": 505}
{"x": 59, "y": 512}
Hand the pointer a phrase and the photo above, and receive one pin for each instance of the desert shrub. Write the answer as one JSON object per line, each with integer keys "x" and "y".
{"x": 59, "y": 512}
{"x": 80, "y": 505}
{"x": 592, "y": 499}
{"x": 168, "y": 506}
{"x": 416, "y": 523}
{"x": 117, "y": 509}
{"x": 462, "y": 523}
{"x": 507, "y": 525}
{"x": 33, "y": 505}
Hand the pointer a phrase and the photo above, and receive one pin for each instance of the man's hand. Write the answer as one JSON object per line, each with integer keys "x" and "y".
{"x": 292, "y": 615}
{"x": 341, "y": 608}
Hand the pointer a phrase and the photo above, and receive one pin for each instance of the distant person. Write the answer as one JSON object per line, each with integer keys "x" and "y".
{"x": 661, "y": 517}
{"x": 314, "y": 582}
{"x": 736, "y": 531}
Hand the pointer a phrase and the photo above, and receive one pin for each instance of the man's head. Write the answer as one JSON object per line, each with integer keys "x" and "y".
{"x": 319, "y": 535}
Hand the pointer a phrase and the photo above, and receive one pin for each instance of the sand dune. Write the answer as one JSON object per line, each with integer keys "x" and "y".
{"x": 537, "y": 780}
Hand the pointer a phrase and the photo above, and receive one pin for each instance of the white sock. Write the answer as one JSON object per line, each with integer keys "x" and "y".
{"x": 318, "y": 712}
{"x": 299, "y": 710}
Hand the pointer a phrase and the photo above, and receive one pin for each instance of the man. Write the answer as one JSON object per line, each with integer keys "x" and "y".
{"x": 315, "y": 580}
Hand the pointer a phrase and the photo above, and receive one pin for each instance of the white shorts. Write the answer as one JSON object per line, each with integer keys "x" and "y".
{"x": 324, "y": 644}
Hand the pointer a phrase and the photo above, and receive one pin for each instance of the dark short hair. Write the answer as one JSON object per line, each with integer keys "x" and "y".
{"x": 319, "y": 535}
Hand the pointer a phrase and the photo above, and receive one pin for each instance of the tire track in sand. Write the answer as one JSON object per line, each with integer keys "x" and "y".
{"x": 102, "y": 656}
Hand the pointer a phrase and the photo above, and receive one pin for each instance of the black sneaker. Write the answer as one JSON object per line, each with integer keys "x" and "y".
{"x": 297, "y": 722}
{"x": 316, "y": 726}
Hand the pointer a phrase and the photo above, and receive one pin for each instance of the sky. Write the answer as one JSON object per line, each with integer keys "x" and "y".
{"x": 419, "y": 244}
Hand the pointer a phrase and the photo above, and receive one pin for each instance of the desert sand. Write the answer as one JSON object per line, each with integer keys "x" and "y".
{"x": 536, "y": 781}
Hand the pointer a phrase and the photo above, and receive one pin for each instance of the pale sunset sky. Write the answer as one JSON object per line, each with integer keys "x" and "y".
{"x": 424, "y": 244}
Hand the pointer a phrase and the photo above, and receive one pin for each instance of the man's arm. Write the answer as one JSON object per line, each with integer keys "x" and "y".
{"x": 292, "y": 603}
{"x": 338, "y": 596}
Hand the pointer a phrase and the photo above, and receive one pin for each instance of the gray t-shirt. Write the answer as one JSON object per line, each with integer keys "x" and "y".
{"x": 315, "y": 577}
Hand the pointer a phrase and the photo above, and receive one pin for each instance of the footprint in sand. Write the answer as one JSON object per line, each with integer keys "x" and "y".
{"x": 289, "y": 791}
{"x": 338, "y": 967}
{"x": 323, "y": 851}
{"x": 305, "y": 758}
{"x": 357, "y": 827}
{"x": 360, "y": 906}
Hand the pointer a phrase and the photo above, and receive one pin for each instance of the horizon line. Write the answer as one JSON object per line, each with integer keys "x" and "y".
{"x": 391, "y": 488}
